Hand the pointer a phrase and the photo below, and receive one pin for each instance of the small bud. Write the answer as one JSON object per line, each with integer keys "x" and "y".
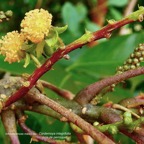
{"x": 141, "y": 111}
{"x": 141, "y": 59}
{"x": 26, "y": 84}
{"x": 126, "y": 67}
{"x": 84, "y": 110}
{"x": 138, "y": 64}
{"x": 140, "y": 17}
{"x": 127, "y": 118}
{"x": 107, "y": 35}
{"x": 132, "y": 67}
{"x": 9, "y": 13}
{"x": 119, "y": 68}
{"x": 135, "y": 60}
{"x": 142, "y": 53}
{"x": 137, "y": 54}
{"x": 112, "y": 21}
{"x": 129, "y": 61}
{"x": 95, "y": 123}
{"x": 67, "y": 57}
{"x": 113, "y": 85}
{"x": 136, "y": 49}
{"x": 132, "y": 55}
{"x": 2, "y": 16}
{"x": 113, "y": 129}
{"x": 3, "y": 96}
{"x": 141, "y": 47}
{"x": 119, "y": 72}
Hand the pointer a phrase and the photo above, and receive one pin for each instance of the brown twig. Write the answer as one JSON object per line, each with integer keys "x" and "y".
{"x": 103, "y": 33}
{"x": 9, "y": 122}
{"x": 88, "y": 93}
{"x": 136, "y": 137}
{"x": 62, "y": 92}
{"x": 88, "y": 128}
{"x": 35, "y": 136}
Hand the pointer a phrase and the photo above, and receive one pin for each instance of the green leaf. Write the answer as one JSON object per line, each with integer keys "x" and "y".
{"x": 39, "y": 48}
{"x": 48, "y": 51}
{"x": 82, "y": 11}
{"x": 70, "y": 16}
{"x": 137, "y": 15}
{"x": 27, "y": 60}
{"x": 120, "y": 3}
{"x": 28, "y": 47}
{"x": 115, "y": 14}
{"x": 51, "y": 43}
{"x": 102, "y": 60}
{"x": 52, "y": 39}
{"x": 60, "y": 29}
{"x": 91, "y": 26}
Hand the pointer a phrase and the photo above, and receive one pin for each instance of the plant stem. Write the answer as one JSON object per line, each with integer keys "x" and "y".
{"x": 88, "y": 128}
{"x": 89, "y": 92}
{"x": 35, "y": 136}
{"x": 105, "y": 32}
{"x": 64, "y": 93}
{"x": 9, "y": 122}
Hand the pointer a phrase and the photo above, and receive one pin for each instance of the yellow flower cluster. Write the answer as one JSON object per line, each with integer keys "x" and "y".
{"x": 36, "y": 25}
{"x": 10, "y": 46}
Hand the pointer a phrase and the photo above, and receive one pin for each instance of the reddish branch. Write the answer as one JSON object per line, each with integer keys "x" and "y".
{"x": 35, "y": 136}
{"x": 88, "y": 128}
{"x": 103, "y": 33}
{"x": 64, "y": 93}
{"x": 88, "y": 93}
{"x": 136, "y": 137}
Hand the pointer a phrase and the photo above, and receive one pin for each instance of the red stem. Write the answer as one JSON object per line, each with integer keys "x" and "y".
{"x": 89, "y": 92}
{"x": 104, "y": 32}
{"x": 62, "y": 92}
{"x": 39, "y": 137}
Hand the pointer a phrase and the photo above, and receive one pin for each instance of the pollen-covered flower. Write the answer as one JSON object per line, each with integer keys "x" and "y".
{"x": 36, "y": 25}
{"x": 10, "y": 46}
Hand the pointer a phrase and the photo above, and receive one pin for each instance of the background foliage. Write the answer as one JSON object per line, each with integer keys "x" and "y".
{"x": 86, "y": 65}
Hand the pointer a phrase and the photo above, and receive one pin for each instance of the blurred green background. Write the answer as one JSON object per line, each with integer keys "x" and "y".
{"x": 87, "y": 65}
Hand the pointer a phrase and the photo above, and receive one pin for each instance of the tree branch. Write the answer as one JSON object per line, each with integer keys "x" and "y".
{"x": 9, "y": 122}
{"x": 88, "y": 128}
{"x": 64, "y": 93}
{"x": 35, "y": 136}
{"x": 105, "y": 32}
{"x": 88, "y": 93}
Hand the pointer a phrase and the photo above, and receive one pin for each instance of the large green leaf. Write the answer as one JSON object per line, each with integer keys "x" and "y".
{"x": 102, "y": 60}
{"x": 73, "y": 15}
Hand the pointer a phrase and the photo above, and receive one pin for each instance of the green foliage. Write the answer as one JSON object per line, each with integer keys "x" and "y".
{"x": 116, "y": 3}
{"x": 72, "y": 16}
{"x": 138, "y": 15}
{"x": 87, "y": 65}
{"x": 115, "y": 14}
{"x": 127, "y": 118}
{"x": 104, "y": 56}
